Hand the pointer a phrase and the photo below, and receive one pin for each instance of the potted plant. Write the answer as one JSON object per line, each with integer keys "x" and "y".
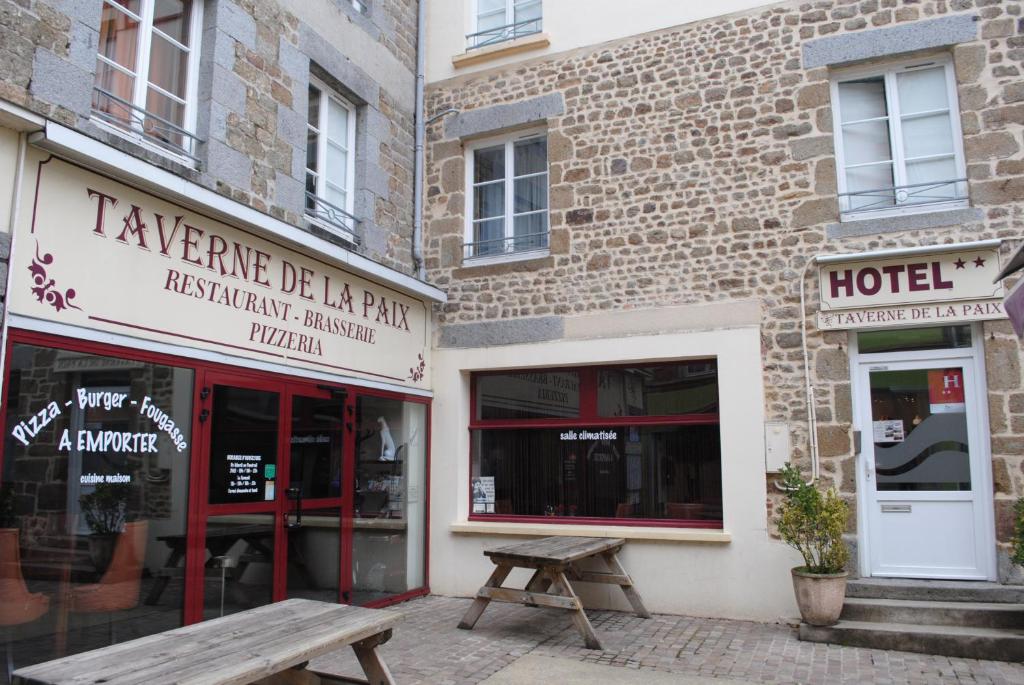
{"x": 812, "y": 522}
{"x": 104, "y": 512}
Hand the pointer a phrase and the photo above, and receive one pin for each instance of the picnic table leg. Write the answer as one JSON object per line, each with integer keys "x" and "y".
{"x": 480, "y": 603}
{"x": 161, "y": 582}
{"x": 612, "y": 559}
{"x": 579, "y": 617}
{"x": 376, "y": 670}
{"x": 539, "y": 582}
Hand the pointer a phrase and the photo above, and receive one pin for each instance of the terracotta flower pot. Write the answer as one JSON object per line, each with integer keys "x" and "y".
{"x": 819, "y": 596}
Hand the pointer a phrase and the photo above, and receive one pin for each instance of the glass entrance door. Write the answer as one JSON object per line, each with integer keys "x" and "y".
{"x": 274, "y": 464}
{"x": 923, "y": 459}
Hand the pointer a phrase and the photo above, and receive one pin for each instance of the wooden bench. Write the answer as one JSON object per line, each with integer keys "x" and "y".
{"x": 269, "y": 645}
{"x": 555, "y": 561}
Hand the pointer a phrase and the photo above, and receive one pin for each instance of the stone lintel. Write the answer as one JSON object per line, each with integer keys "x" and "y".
{"x": 894, "y": 40}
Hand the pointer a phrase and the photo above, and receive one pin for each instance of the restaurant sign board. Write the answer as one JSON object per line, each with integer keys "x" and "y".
{"x": 94, "y": 252}
{"x": 911, "y": 290}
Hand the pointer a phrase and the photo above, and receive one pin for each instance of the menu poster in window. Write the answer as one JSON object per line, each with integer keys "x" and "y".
{"x": 483, "y": 495}
{"x": 243, "y": 477}
{"x": 888, "y": 431}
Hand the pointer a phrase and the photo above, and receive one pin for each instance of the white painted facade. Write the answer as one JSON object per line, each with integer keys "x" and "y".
{"x": 738, "y": 572}
{"x": 568, "y": 24}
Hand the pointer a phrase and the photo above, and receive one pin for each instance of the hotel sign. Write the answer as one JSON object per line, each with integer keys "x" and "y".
{"x": 911, "y": 290}
{"x": 96, "y": 253}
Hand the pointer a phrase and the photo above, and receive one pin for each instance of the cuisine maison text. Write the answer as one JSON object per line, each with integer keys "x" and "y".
{"x": 173, "y": 237}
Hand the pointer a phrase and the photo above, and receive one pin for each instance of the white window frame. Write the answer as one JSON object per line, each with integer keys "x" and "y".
{"x": 328, "y": 93}
{"x": 135, "y": 132}
{"x": 509, "y": 141}
{"x": 510, "y": 18}
{"x": 889, "y": 72}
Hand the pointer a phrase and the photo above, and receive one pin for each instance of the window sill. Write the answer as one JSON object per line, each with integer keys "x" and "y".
{"x": 536, "y": 41}
{"x": 506, "y": 258}
{"x": 335, "y": 231}
{"x": 932, "y": 216}
{"x": 141, "y": 141}
{"x": 626, "y": 532}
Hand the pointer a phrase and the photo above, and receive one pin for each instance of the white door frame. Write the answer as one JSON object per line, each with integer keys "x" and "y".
{"x": 973, "y": 356}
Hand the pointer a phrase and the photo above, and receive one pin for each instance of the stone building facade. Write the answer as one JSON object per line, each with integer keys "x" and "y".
{"x": 692, "y": 171}
{"x": 255, "y": 62}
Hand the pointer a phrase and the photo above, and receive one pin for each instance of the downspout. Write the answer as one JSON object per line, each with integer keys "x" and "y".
{"x": 421, "y": 127}
{"x": 19, "y": 175}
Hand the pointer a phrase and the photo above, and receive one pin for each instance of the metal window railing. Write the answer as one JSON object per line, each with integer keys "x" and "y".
{"x": 494, "y": 247}
{"x": 903, "y": 196}
{"x": 332, "y": 217}
{"x": 152, "y": 127}
{"x": 502, "y": 33}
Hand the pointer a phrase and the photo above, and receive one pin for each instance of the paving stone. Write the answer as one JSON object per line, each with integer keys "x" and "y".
{"x": 427, "y": 648}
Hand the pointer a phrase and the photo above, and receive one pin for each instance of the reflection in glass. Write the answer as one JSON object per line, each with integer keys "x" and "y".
{"x": 90, "y": 556}
{"x": 239, "y": 563}
{"x": 671, "y": 389}
{"x": 919, "y": 428}
{"x": 316, "y": 444}
{"x": 389, "y": 538}
{"x": 314, "y": 556}
{"x": 651, "y": 472}
{"x": 909, "y": 339}
{"x": 540, "y": 395}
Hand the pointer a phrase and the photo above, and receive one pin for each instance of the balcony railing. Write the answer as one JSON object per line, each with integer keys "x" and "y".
{"x": 502, "y": 33}
{"x": 332, "y": 218}
{"x": 150, "y": 127}
{"x": 897, "y": 197}
{"x": 495, "y": 247}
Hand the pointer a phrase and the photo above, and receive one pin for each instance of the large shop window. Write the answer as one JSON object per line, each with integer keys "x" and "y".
{"x": 146, "y": 71}
{"x": 95, "y": 480}
{"x": 618, "y": 445}
{"x": 389, "y": 540}
{"x": 898, "y": 140}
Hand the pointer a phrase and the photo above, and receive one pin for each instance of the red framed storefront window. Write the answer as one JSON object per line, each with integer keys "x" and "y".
{"x": 196, "y": 473}
{"x": 612, "y": 445}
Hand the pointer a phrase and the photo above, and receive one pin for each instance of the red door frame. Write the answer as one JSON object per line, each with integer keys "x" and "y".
{"x": 205, "y": 374}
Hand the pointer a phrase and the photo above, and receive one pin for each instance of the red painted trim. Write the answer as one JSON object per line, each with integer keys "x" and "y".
{"x": 588, "y": 418}
{"x": 593, "y": 520}
{"x": 395, "y": 599}
{"x": 206, "y": 375}
{"x": 676, "y": 420}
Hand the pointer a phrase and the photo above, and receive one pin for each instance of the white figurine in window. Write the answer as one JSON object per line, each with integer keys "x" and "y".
{"x": 387, "y": 443}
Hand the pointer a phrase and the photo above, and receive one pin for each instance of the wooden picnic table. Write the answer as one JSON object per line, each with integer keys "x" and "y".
{"x": 270, "y": 645}
{"x": 555, "y": 561}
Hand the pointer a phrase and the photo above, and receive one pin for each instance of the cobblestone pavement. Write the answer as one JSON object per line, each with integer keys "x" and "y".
{"x": 427, "y": 648}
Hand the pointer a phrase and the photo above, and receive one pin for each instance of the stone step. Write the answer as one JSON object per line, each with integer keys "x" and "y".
{"x": 997, "y": 644}
{"x": 934, "y": 590}
{"x": 976, "y": 614}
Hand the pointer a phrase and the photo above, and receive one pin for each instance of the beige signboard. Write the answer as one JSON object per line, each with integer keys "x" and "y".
{"x": 94, "y": 252}
{"x": 919, "y": 289}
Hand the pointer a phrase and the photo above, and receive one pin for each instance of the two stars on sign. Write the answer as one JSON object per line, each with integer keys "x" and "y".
{"x": 978, "y": 263}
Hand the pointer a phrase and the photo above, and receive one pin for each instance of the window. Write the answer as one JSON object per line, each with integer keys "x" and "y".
{"x": 508, "y": 210}
{"x": 146, "y": 70}
{"x": 898, "y": 140}
{"x": 598, "y": 444}
{"x": 330, "y": 161}
{"x": 501, "y": 20}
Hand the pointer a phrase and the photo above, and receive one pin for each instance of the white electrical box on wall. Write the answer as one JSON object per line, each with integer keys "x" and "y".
{"x": 777, "y": 445}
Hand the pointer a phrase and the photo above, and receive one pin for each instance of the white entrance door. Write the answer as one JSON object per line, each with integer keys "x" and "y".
{"x": 924, "y": 461}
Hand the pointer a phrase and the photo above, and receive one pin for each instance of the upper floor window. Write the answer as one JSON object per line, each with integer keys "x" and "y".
{"x": 146, "y": 70}
{"x": 330, "y": 161}
{"x": 508, "y": 201}
{"x": 501, "y": 20}
{"x": 898, "y": 142}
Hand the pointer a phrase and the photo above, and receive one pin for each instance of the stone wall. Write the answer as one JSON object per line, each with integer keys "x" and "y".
{"x": 695, "y": 165}
{"x": 256, "y": 59}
